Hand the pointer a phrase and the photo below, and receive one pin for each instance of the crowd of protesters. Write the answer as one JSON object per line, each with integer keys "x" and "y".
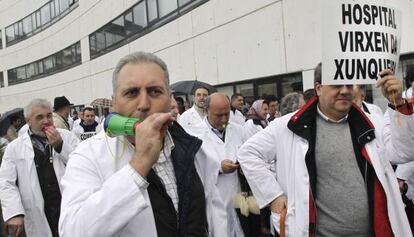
{"x": 320, "y": 163}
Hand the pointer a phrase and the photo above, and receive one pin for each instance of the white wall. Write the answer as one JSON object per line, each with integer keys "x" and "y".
{"x": 219, "y": 42}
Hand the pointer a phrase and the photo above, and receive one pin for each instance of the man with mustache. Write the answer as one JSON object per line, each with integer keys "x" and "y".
{"x": 333, "y": 172}
{"x": 149, "y": 184}
{"x": 30, "y": 174}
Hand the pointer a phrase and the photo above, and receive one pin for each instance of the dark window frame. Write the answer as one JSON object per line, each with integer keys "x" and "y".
{"x": 37, "y": 25}
{"x": 150, "y": 26}
{"x": 40, "y": 66}
{"x": 278, "y": 79}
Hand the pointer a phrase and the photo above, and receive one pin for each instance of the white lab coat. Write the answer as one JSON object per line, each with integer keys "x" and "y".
{"x": 278, "y": 142}
{"x": 26, "y": 198}
{"x": 228, "y": 184}
{"x": 237, "y": 117}
{"x": 249, "y": 129}
{"x": 406, "y": 172}
{"x": 189, "y": 118}
{"x": 101, "y": 197}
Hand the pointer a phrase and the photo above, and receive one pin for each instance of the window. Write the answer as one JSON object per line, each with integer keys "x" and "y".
{"x": 27, "y": 25}
{"x": 166, "y": 7}
{"x": 152, "y": 10}
{"x": 279, "y": 86}
{"x": 45, "y": 14}
{"x": 140, "y": 19}
{"x": 1, "y": 80}
{"x": 38, "y": 20}
{"x": 140, "y": 15}
{"x": 183, "y": 2}
{"x": 10, "y": 33}
{"x": 57, "y": 62}
{"x": 1, "y": 45}
{"x": 64, "y": 4}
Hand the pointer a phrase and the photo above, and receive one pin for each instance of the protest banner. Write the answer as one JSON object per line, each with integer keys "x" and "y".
{"x": 360, "y": 38}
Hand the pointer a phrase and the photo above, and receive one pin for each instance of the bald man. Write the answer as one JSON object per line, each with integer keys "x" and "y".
{"x": 222, "y": 138}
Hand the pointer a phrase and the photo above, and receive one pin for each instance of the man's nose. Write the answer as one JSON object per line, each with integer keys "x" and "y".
{"x": 143, "y": 102}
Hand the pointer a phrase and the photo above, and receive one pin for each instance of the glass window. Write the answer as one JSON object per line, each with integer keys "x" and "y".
{"x": 183, "y": 2}
{"x": 27, "y": 25}
{"x": 227, "y": 90}
{"x": 166, "y": 7}
{"x": 48, "y": 64}
{"x": 45, "y": 14}
{"x": 140, "y": 16}
{"x": 92, "y": 44}
{"x": 68, "y": 56}
{"x": 152, "y": 10}
{"x": 267, "y": 89}
{"x": 40, "y": 67}
{"x": 78, "y": 57}
{"x": 21, "y": 73}
{"x": 18, "y": 29}
{"x": 57, "y": 8}
{"x": 247, "y": 91}
{"x": 1, "y": 79}
{"x": 52, "y": 9}
{"x": 38, "y": 19}
{"x": 1, "y": 42}
{"x": 291, "y": 84}
{"x": 30, "y": 70}
{"x": 129, "y": 23}
{"x": 64, "y": 4}
{"x": 59, "y": 60}
{"x": 115, "y": 32}
{"x": 100, "y": 41}
{"x": 12, "y": 76}
{"x": 10, "y": 33}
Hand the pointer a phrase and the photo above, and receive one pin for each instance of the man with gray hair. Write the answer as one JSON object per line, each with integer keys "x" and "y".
{"x": 30, "y": 174}
{"x": 149, "y": 184}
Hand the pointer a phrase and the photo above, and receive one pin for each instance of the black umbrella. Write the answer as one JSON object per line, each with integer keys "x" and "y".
{"x": 187, "y": 87}
{"x": 5, "y": 119}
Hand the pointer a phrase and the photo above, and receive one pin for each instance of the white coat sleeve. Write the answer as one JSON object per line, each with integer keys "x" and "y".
{"x": 208, "y": 171}
{"x": 254, "y": 156}
{"x": 398, "y": 133}
{"x": 95, "y": 206}
{"x": 405, "y": 171}
{"x": 70, "y": 142}
{"x": 11, "y": 201}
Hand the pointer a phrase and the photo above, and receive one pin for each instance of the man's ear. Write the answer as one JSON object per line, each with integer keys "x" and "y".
{"x": 318, "y": 88}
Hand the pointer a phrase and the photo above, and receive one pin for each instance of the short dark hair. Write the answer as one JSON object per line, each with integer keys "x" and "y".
{"x": 234, "y": 96}
{"x": 88, "y": 109}
{"x": 308, "y": 94}
{"x": 318, "y": 74}
{"x": 198, "y": 87}
{"x": 270, "y": 98}
{"x": 409, "y": 76}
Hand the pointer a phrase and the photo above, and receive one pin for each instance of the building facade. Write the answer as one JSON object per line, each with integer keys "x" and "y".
{"x": 51, "y": 48}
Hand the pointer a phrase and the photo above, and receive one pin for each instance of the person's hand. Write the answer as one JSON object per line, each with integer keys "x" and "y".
{"x": 391, "y": 87}
{"x": 149, "y": 136}
{"x": 53, "y": 137}
{"x": 15, "y": 224}
{"x": 228, "y": 166}
{"x": 278, "y": 204}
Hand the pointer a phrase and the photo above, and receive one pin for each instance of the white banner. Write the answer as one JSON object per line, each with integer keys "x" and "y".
{"x": 359, "y": 39}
